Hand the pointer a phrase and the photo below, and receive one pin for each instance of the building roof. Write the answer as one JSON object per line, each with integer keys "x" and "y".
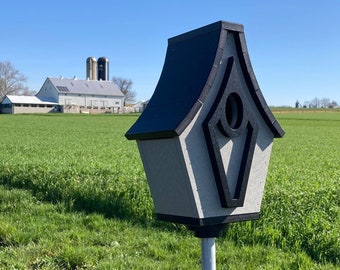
{"x": 90, "y": 87}
{"x": 141, "y": 104}
{"x": 25, "y": 100}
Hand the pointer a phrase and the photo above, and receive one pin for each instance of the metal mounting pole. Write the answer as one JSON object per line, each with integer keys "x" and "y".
{"x": 208, "y": 254}
{"x": 208, "y": 250}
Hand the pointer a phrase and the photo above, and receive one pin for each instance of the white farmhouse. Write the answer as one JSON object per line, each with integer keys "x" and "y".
{"x": 87, "y": 96}
{"x": 12, "y": 104}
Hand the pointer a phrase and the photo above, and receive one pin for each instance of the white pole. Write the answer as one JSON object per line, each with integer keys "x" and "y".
{"x": 208, "y": 254}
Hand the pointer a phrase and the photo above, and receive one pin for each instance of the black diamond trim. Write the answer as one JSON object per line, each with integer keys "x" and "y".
{"x": 217, "y": 123}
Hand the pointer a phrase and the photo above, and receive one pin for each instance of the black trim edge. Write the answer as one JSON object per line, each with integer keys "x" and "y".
{"x": 254, "y": 88}
{"x": 191, "y": 221}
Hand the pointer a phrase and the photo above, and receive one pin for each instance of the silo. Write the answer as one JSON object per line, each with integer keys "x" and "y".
{"x": 103, "y": 68}
{"x": 91, "y": 68}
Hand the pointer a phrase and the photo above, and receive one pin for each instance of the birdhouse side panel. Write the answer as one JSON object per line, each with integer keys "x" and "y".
{"x": 167, "y": 177}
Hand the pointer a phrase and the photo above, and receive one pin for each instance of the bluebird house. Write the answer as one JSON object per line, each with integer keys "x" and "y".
{"x": 206, "y": 135}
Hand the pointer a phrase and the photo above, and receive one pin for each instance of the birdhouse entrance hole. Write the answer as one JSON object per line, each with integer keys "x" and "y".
{"x": 234, "y": 110}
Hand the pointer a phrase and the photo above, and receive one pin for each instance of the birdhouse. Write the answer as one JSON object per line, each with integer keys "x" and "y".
{"x": 206, "y": 135}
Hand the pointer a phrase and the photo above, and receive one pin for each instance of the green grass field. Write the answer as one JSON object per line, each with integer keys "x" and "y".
{"x": 73, "y": 195}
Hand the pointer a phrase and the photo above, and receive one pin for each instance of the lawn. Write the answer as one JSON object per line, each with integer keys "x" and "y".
{"x": 73, "y": 195}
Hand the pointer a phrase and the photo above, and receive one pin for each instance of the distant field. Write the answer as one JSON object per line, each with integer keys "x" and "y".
{"x": 73, "y": 195}
{"x": 304, "y": 110}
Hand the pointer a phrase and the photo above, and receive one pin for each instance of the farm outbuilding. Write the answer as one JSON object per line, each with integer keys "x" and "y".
{"x": 12, "y": 104}
{"x": 82, "y": 96}
{"x": 139, "y": 106}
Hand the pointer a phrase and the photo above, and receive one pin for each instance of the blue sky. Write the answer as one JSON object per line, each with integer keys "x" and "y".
{"x": 294, "y": 46}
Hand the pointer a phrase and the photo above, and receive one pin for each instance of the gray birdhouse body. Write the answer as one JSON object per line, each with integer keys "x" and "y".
{"x": 206, "y": 136}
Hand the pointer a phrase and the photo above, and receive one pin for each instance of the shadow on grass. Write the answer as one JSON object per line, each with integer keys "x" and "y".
{"x": 133, "y": 205}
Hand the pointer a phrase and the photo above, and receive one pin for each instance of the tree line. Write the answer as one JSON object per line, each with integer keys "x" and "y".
{"x": 317, "y": 103}
{"x": 12, "y": 82}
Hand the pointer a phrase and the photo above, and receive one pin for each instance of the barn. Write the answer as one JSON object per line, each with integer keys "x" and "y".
{"x": 82, "y": 96}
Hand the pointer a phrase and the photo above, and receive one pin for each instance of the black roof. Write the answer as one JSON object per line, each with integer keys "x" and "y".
{"x": 190, "y": 67}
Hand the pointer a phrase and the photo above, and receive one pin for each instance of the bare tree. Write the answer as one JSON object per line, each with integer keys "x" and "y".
{"x": 315, "y": 103}
{"x": 325, "y": 102}
{"x": 306, "y": 104}
{"x": 320, "y": 103}
{"x": 333, "y": 104}
{"x": 11, "y": 80}
{"x": 125, "y": 86}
